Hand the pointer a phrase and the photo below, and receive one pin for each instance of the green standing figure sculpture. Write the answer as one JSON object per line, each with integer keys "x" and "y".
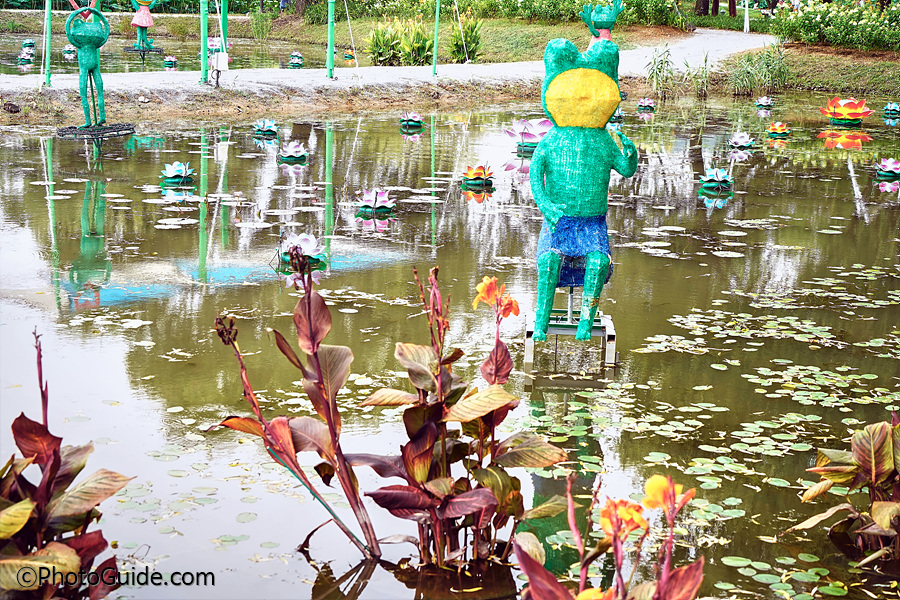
{"x": 142, "y": 21}
{"x": 570, "y": 169}
{"x": 88, "y": 37}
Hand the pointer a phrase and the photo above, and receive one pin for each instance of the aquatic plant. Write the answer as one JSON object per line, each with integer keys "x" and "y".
{"x": 619, "y": 519}
{"x": 717, "y": 179}
{"x": 847, "y": 111}
{"x": 844, "y": 140}
{"x": 872, "y": 464}
{"x": 477, "y": 177}
{"x": 888, "y": 168}
{"x": 479, "y": 501}
{"x": 646, "y": 104}
{"x": 293, "y": 152}
{"x": 44, "y": 524}
{"x": 177, "y": 173}
{"x": 699, "y": 77}
{"x": 741, "y": 140}
{"x": 661, "y": 72}
{"x": 266, "y": 127}
{"x": 528, "y": 133}
{"x": 778, "y": 129}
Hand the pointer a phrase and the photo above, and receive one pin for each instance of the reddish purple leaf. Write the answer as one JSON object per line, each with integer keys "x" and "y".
{"x": 313, "y": 321}
{"x": 286, "y": 349}
{"x": 87, "y": 545}
{"x": 541, "y": 583}
{"x": 308, "y": 433}
{"x": 281, "y": 435}
{"x": 419, "y": 516}
{"x": 872, "y": 450}
{"x": 498, "y": 365}
{"x": 385, "y": 466}
{"x": 418, "y": 453}
{"x": 467, "y": 503}
{"x": 245, "y": 424}
{"x": 73, "y": 460}
{"x": 108, "y": 581}
{"x": 684, "y": 582}
{"x": 395, "y": 497}
{"x": 33, "y": 439}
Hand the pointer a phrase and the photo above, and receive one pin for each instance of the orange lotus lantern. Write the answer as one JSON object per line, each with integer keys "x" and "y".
{"x": 477, "y": 196}
{"x": 847, "y": 111}
{"x": 778, "y": 130}
{"x": 477, "y": 177}
{"x": 844, "y": 140}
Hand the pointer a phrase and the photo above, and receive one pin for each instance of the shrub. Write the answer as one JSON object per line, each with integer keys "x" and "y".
{"x": 416, "y": 45}
{"x": 261, "y": 25}
{"x": 698, "y": 77}
{"x": 181, "y": 28}
{"x": 841, "y": 23}
{"x": 661, "y": 72}
{"x": 384, "y": 44}
{"x": 649, "y": 12}
{"x": 465, "y": 40}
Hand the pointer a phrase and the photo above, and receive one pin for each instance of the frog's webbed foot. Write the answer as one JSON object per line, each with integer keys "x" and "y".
{"x": 85, "y": 126}
{"x": 539, "y": 336}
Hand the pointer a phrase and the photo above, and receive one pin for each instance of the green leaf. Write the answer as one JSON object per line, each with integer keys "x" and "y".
{"x": 532, "y": 452}
{"x": 873, "y": 451}
{"x": 13, "y": 518}
{"x": 885, "y": 512}
{"x": 550, "y": 508}
{"x": 495, "y": 479}
{"x": 421, "y": 364}
{"x": 418, "y": 452}
{"x": 54, "y": 555}
{"x": 390, "y": 397}
{"x": 480, "y": 404}
{"x": 87, "y": 494}
{"x": 825, "y": 456}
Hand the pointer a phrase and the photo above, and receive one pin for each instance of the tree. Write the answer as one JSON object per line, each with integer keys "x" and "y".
{"x": 714, "y": 11}
{"x": 732, "y": 8}
{"x": 701, "y": 8}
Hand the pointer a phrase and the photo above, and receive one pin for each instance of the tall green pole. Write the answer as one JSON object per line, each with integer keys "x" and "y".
{"x": 51, "y": 207}
{"x": 224, "y": 26}
{"x": 204, "y": 40}
{"x": 203, "y": 241}
{"x": 329, "y": 60}
{"x": 433, "y": 205}
{"x": 437, "y": 21}
{"x": 47, "y": 43}
{"x": 329, "y": 188}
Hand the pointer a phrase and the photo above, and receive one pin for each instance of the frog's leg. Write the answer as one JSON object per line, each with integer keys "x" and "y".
{"x": 101, "y": 104}
{"x": 83, "y": 75}
{"x": 548, "y": 276}
{"x": 596, "y": 270}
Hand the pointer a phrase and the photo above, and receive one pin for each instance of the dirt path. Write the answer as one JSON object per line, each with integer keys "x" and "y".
{"x": 244, "y": 91}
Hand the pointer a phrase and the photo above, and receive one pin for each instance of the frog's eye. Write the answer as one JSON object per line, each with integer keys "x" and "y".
{"x": 560, "y": 55}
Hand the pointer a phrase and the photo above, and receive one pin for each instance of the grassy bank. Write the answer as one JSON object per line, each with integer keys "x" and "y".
{"x": 503, "y": 40}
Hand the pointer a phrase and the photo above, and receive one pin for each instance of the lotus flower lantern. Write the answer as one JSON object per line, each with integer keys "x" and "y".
{"x": 265, "y": 127}
{"x": 892, "y": 110}
{"x": 25, "y": 58}
{"x": 478, "y": 196}
{"x": 376, "y": 223}
{"x": 716, "y": 179}
{"x": 477, "y": 178}
{"x": 618, "y": 116}
{"x": 410, "y": 120}
{"x": 646, "y": 105}
{"x": 170, "y": 63}
{"x": 888, "y": 168}
{"x": 375, "y": 202}
{"x": 739, "y": 155}
{"x": 844, "y": 140}
{"x": 713, "y": 199}
{"x": 765, "y": 102}
{"x": 306, "y": 246}
{"x": 528, "y": 134}
{"x": 889, "y": 186}
{"x": 296, "y": 60}
{"x": 28, "y": 43}
{"x": 293, "y": 152}
{"x": 847, "y": 112}
{"x": 177, "y": 174}
{"x": 778, "y": 130}
{"x": 741, "y": 140}
{"x": 349, "y": 56}
{"x": 69, "y": 52}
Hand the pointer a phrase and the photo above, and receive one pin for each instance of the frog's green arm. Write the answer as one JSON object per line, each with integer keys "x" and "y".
{"x": 550, "y": 209}
{"x": 135, "y": 5}
{"x": 625, "y": 162}
{"x": 155, "y": 2}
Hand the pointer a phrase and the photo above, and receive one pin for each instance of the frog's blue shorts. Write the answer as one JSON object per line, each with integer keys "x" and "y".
{"x": 573, "y": 239}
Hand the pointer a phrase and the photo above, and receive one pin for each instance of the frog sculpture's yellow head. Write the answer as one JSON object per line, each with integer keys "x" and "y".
{"x": 580, "y": 89}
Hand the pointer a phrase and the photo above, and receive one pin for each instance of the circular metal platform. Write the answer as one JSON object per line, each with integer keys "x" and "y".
{"x": 96, "y": 132}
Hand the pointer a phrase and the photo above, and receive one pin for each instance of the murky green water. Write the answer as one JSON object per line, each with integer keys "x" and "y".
{"x": 774, "y": 294}
{"x": 243, "y": 54}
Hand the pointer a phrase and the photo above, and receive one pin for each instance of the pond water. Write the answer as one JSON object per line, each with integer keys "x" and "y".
{"x": 243, "y": 54}
{"x": 751, "y": 328}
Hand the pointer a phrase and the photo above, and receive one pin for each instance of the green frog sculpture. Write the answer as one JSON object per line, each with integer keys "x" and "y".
{"x": 88, "y": 37}
{"x": 571, "y": 167}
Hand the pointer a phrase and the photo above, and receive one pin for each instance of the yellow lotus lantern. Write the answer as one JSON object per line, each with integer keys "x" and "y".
{"x": 778, "y": 130}
{"x": 477, "y": 177}
{"x": 844, "y": 140}
{"x": 847, "y": 111}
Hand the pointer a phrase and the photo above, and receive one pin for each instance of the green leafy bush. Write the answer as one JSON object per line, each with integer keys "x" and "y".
{"x": 549, "y": 10}
{"x": 384, "y": 43}
{"x": 841, "y": 23}
{"x": 261, "y": 25}
{"x": 765, "y": 72}
{"x": 181, "y": 28}
{"x": 416, "y": 45}
{"x": 465, "y": 40}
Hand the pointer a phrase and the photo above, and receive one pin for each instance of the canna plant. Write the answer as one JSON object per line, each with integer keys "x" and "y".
{"x": 872, "y": 464}
{"x": 618, "y": 519}
{"x": 44, "y": 525}
{"x": 465, "y": 40}
{"x": 455, "y": 483}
